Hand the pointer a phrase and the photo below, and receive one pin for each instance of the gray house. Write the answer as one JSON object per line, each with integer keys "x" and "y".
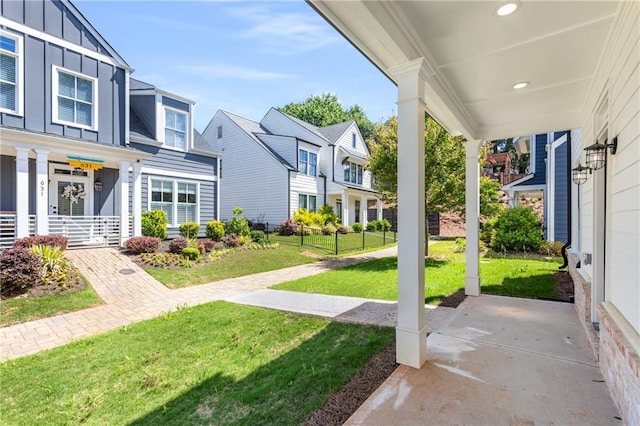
{"x": 68, "y": 161}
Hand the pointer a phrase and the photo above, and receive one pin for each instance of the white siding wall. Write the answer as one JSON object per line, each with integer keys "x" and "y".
{"x": 619, "y": 75}
{"x": 251, "y": 177}
{"x": 285, "y": 146}
{"x": 305, "y": 184}
{"x": 346, "y": 141}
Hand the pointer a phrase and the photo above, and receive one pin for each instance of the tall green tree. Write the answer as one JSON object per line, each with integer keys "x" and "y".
{"x": 325, "y": 110}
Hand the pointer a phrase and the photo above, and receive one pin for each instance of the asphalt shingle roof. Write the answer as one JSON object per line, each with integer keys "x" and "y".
{"x": 334, "y": 131}
{"x": 139, "y": 85}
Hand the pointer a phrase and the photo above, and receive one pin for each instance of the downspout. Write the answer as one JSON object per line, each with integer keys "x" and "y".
{"x": 288, "y": 193}
{"x": 325, "y": 189}
{"x": 569, "y": 205}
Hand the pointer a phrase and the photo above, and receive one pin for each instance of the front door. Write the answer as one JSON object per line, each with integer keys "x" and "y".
{"x": 69, "y": 191}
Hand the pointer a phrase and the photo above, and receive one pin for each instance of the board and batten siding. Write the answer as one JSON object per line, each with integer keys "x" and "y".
{"x": 251, "y": 177}
{"x": 39, "y": 58}
{"x": 561, "y": 195}
{"x": 618, "y": 81}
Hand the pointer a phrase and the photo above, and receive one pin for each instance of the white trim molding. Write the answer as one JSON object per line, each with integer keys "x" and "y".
{"x": 179, "y": 175}
{"x": 19, "y": 83}
{"x": 55, "y": 72}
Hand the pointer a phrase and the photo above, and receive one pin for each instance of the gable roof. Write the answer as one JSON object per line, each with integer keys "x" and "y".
{"x": 137, "y": 128}
{"x": 135, "y": 84}
{"x": 141, "y": 87}
{"x": 310, "y": 127}
{"x": 334, "y": 131}
{"x": 253, "y": 130}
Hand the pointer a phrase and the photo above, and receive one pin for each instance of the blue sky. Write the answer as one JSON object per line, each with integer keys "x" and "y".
{"x": 243, "y": 57}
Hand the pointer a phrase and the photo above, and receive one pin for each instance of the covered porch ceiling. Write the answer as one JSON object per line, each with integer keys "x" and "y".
{"x": 474, "y": 57}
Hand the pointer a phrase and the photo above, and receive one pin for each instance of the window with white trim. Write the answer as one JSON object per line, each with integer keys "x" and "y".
{"x": 178, "y": 199}
{"x": 308, "y": 202}
{"x": 10, "y": 73}
{"x": 353, "y": 172}
{"x": 307, "y": 163}
{"x": 74, "y": 99}
{"x": 175, "y": 128}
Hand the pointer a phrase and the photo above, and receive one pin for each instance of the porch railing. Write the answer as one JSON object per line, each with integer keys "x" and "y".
{"x": 87, "y": 231}
{"x": 7, "y": 230}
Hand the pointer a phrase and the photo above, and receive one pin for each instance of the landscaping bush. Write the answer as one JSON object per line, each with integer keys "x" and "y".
{"x": 138, "y": 245}
{"x": 238, "y": 224}
{"x": 517, "y": 229}
{"x": 287, "y": 228}
{"x": 154, "y": 224}
{"x": 551, "y": 248}
{"x": 191, "y": 253}
{"x": 46, "y": 240}
{"x": 328, "y": 216}
{"x": 329, "y": 230}
{"x": 383, "y": 225}
{"x": 19, "y": 270}
{"x": 178, "y": 244}
{"x": 357, "y": 227}
{"x": 231, "y": 240}
{"x": 343, "y": 229}
{"x": 307, "y": 218}
{"x": 460, "y": 246}
{"x": 209, "y": 245}
{"x": 486, "y": 229}
{"x": 244, "y": 240}
{"x": 258, "y": 237}
{"x": 372, "y": 226}
{"x": 189, "y": 230}
{"x": 56, "y": 270}
{"x": 214, "y": 230}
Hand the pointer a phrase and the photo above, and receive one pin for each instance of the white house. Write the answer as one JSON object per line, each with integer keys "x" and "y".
{"x": 487, "y": 74}
{"x": 274, "y": 167}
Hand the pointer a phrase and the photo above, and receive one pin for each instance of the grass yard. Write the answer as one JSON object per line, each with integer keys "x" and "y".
{"x": 377, "y": 279}
{"x": 218, "y": 363}
{"x": 345, "y": 242}
{"x": 22, "y": 309}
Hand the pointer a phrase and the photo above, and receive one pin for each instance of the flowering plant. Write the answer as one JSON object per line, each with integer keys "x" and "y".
{"x": 74, "y": 193}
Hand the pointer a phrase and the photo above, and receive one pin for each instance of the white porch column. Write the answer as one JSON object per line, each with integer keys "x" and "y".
{"x": 22, "y": 192}
{"x": 472, "y": 218}
{"x": 345, "y": 209}
{"x": 379, "y": 209}
{"x": 42, "y": 192}
{"x": 411, "y": 333}
{"x": 137, "y": 200}
{"x": 124, "y": 201}
{"x": 364, "y": 211}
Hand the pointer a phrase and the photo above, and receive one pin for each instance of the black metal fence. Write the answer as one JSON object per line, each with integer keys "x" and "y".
{"x": 334, "y": 242}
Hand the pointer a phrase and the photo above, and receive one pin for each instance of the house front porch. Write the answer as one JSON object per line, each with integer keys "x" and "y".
{"x": 350, "y": 204}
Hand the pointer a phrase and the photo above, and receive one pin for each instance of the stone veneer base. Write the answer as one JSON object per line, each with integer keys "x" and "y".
{"x": 582, "y": 302}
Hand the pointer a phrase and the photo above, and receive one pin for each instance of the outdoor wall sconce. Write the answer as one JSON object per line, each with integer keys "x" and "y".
{"x": 97, "y": 186}
{"x": 580, "y": 174}
{"x": 597, "y": 153}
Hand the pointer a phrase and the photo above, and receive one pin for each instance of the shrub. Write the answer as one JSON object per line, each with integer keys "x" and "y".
{"x": 189, "y": 229}
{"x": 357, "y": 227}
{"x": 383, "y": 225}
{"x": 154, "y": 224}
{"x": 307, "y": 218}
{"x": 45, "y": 240}
{"x": 191, "y": 253}
{"x": 551, "y": 248}
{"x": 328, "y": 216}
{"x": 517, "y": 229}
{"x": 138, "y": 245}
{"x": 214, "y": 230}
{"x": 486, "y": 229}
{"x": 343, "y": 229}
{"x": 244, "y": 240}
{"x": 460, "y": 246}
{"x": 328, "y": 230}
{"x": 257, "y": 237}
{"x": 56, "y": 270}
{"x": 231, "y": 240}
{"x": 288, "y": 227}
{"x": 178, "y": 244}
{"x": 238, "y": 224}
{"x": 372, "y": 226}
{"x": 209, "y": 245}
{"x": 19, "y": 270}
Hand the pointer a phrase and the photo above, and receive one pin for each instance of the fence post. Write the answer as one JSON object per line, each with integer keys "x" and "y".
{"x": 363, "y": 232}
{"x": 336, "y": 242}
{"x": 301, "y": 235}
{"x": 384, "y": 236}
{"x": 266, "y": 230}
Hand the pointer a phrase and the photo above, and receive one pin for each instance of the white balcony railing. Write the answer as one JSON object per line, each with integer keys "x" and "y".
{"x": 87, "y": 231}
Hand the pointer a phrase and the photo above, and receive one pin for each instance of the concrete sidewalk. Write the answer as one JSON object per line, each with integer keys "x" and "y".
{"x": 131, "y": 295}
{"x": 498, "y": 361}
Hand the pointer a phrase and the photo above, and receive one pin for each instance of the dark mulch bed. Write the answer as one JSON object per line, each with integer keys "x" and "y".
{"x": 43, "y": 289}
{"x": 453, "y": 300}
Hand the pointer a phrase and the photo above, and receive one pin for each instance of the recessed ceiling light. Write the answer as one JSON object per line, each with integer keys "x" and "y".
{"x": 520, "y": 85}
{"x": 507, "y": 8}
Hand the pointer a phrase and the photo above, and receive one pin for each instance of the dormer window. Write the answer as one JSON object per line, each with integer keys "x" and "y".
{"x": 307, "y": 163}
{"x": 175, "y": 129}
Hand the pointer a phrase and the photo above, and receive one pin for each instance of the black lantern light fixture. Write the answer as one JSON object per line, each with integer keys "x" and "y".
{"x": 580, "y": 174}
{"x": 596, "y": 154}
{"x": 97, "y": 185}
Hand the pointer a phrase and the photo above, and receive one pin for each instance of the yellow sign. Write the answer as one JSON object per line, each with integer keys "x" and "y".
{"x": 84, "y": 164}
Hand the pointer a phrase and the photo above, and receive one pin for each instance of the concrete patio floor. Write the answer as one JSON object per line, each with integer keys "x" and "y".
{"x": 498, "y": 360}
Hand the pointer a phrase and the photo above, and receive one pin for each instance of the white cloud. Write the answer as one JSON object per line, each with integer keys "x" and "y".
{"x": 283, "y": 32}
{"x": 232, "y": 72}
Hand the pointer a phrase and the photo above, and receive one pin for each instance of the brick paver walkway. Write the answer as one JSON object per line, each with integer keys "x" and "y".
{"x": 131, "y": 295}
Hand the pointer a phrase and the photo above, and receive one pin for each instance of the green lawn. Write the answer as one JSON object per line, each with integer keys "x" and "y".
{"x": 22, "y": 309}
{"x": 218, "y": 363}
{"x": 345, "y": 242}
{"x": 444, "y": 275}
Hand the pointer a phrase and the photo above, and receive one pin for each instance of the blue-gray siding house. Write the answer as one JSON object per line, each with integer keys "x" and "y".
{"x": 68, "y": 164}
{"x": 548, "y": 179}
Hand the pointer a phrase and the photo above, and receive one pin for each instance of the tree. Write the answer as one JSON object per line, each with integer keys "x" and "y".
{"x": 325, "y": 110}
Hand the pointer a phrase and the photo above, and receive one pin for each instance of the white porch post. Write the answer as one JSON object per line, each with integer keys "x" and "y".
{"x": 42, "y": 192}
{"x": 364, "y": 211}
{"x": 345, "y": 209}
{"x": 472, "y": 225}
{"x": 137, "y": 200}
{"x": 379, "y": 209}
{"x": 411, "y": 332}
{"x": 124, "y": 201}
{"x": 22, "y": 192}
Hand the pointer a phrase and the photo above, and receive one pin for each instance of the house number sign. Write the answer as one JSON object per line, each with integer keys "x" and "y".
{"x": 85, "y": 163}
